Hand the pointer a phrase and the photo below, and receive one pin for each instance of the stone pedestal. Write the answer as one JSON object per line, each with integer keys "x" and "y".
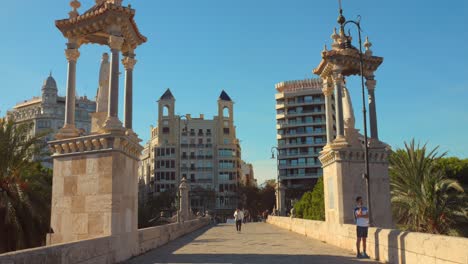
{"x": 343, "y": 168}
{"x": 95, "y": 190}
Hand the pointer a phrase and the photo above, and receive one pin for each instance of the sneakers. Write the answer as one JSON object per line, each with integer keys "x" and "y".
{"x": 362, "y": 256}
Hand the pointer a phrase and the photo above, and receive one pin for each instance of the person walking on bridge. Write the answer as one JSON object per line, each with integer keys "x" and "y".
{"x": 238, "y": 217}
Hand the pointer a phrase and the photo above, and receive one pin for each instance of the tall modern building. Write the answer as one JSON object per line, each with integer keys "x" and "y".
{"x": 301, "y": 134}
{"x": 204, "y": 151}
{"x": 47, "y": 112}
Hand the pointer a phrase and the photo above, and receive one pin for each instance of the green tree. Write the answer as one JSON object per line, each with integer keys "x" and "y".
{"x": 423, "y": 198}
{"x": 25, "y": 188}
{"x": 455, "y": 168}
{"x": 312, "y": 205}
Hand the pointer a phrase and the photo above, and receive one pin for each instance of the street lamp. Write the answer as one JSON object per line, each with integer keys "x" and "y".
{"x": 279, "y": 206}
{"x": 343, "y": 22}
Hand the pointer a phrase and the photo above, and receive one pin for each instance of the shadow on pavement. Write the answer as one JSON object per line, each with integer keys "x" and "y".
{"x": 165, "y": 254}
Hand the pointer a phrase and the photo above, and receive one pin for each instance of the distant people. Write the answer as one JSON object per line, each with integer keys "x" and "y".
{"x": 361, "y": 215}
{"x": 238, "y": 217}
{"x": 246, "y": 216}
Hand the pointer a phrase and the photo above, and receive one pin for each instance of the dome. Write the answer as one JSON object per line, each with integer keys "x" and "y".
{"x": 49, "y": 83}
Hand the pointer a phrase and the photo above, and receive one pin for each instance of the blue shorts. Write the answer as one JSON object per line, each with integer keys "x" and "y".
{"x": 361, "y": 231}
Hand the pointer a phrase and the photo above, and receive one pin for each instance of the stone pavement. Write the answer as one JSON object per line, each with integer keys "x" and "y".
{"x": 258, "y": 243}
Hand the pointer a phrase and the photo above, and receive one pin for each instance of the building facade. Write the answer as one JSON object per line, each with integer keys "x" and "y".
{"x": 47, "y": 112}
{"x": 247, "y": 176}
{"x": 204, "y": 151}
{"x": 301, "y": 135}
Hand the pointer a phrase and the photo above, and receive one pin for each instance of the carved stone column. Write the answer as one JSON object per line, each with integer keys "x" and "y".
{"x": 69, "y": 130}
{"x": 327, "y": 92}
{"x": 184, "y": 200}
{"x": 112, "y": 121}
{"x": 370, "y": 84}
{"x": 338, "y": 81}
{"x": 129, "y": 63}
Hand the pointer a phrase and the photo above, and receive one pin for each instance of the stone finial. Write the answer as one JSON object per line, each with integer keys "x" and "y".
{"x": 334, "y": 36}
{"x": 368, "y": 45}
{"x": 75, "y": 4}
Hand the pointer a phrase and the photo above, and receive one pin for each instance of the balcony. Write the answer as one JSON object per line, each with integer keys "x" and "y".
{"x": 304, "y": 154}
{"x": 303, "y": 144}
{"x": 308, "y": 112}
{"x": 304, "y": 133}
{"x": 300, "y": 165}
{"x": 305, "y": 175}
{"x": 302, "y": 103}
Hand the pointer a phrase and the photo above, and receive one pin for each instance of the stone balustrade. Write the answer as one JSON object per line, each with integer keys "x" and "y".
{"x": 102, "y": 249}
{"x": 385, "y": 245}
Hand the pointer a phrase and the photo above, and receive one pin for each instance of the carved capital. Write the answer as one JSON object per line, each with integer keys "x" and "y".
{"x": 72, "y": 54}
{"x": 327, "y": 88}
{"x": 338, "y": 78}
{"x": 129, "y": 62}
{"x": 370, "y": 84}
{"x": 115, "y": 42}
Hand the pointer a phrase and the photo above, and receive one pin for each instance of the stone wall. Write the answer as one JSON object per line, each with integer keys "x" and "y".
{"x": 385, "y": 245}
{"x": 102, "y": 249}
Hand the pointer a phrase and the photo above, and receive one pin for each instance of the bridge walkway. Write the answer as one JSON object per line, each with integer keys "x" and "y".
{"x": 257, "y": 243}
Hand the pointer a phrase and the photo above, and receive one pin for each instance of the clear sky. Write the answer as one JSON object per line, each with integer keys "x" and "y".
{"x": 198, "y": 48}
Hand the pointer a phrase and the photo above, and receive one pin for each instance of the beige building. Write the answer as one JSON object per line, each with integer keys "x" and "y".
{"x": 247, "y": 175}
{"x": 47, "y": 112}
{"x": 301, "y": 134}
{"x": 204, "y": 151}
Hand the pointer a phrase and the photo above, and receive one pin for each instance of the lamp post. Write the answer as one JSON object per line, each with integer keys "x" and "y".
{"x": 279, "y": 206}
{"x": 343, "y": 22}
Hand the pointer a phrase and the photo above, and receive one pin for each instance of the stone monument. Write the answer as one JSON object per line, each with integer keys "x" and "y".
{"x": 95, "y": 189}
{"x": 343, "y": 157}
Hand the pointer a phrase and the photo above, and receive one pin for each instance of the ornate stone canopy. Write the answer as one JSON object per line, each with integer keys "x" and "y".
{"x": 345, "y": 56}
{"x": 100, "y": 22}
{"x": 348, "y": 59}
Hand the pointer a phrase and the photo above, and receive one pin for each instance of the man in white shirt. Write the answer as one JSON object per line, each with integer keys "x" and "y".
{"x": 361, "y": 214}
{"x": 238, "y": 217}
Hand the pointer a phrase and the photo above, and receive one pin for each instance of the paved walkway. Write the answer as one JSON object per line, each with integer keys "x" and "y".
{"x": 258, "y": 243}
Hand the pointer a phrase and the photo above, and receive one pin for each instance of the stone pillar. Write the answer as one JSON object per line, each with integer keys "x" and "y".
{"x": 327, "y": 92}
{"x": 370, "y": 84}
{"x": 95, "y": 190}
{"x": 112, "y": 122}
{"x": 69, "y": 130}
{"x": 128, "y": 62}
{"x": 184, "y": 200}
{"x": 280, "y": 199}
{"x": 338, "y": 83}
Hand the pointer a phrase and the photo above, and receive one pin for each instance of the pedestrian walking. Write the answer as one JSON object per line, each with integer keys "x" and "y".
{"x": 238, "y": 217}
{"x": 361, "y": 215}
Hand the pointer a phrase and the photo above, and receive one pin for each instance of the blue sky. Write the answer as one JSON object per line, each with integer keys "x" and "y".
{"x": 198, "y": 48}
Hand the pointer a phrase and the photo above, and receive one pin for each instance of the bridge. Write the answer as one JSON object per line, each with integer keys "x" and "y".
{"x": 257, "y": 243}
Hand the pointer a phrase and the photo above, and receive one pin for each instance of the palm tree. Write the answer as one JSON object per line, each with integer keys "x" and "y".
{"x": 423, "y": 198}
{"x": 25, "y": 188}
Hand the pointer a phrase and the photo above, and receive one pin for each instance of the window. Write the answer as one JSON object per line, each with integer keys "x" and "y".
{"x": 200, "y": 141}
{"x": 226, "y": 130}
{"x": 192, "y": 177}
{"x": 165, "y": 130}
{"x": 173, "y": 176}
